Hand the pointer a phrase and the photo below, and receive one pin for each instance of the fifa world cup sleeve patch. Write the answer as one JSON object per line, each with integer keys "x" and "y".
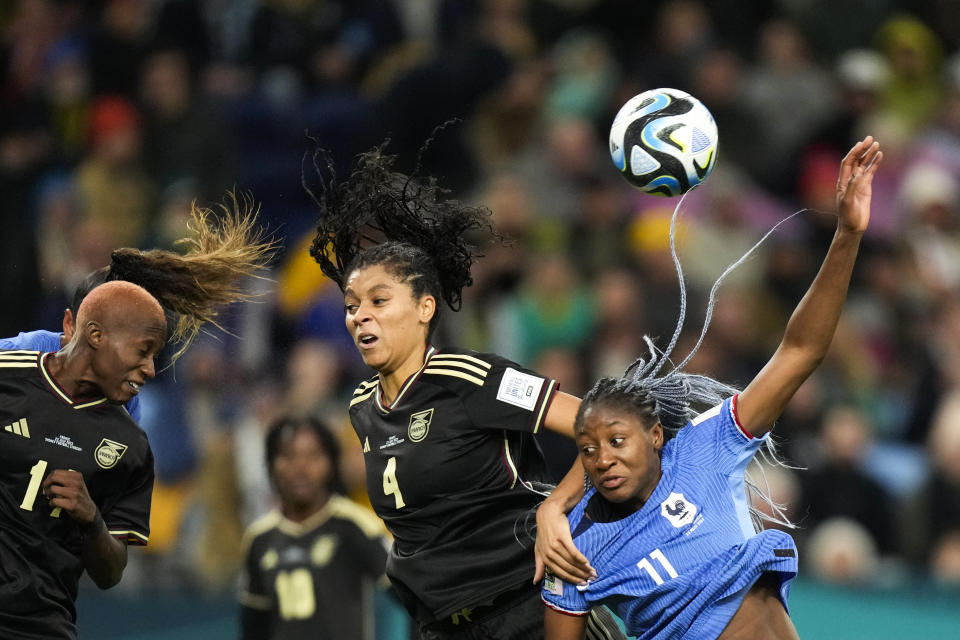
{"x": 553, "y": 584}
{"x": 519, "y": 389}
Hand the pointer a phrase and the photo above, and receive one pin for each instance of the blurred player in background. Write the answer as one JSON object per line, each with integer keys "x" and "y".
{"x": 447, "y": 434}
{"x": 312, "y": 565}
{"x": 667, "y": 526}
{"x": 76, "y": 472}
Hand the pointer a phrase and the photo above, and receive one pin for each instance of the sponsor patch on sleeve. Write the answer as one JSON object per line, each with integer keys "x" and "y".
{"x": 553, "y": 584}
{"x": 519, "y": 388}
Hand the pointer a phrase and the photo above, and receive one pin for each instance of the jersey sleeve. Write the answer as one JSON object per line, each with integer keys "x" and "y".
{"x": 128, "y": 519}
{"x": 39, "y": 340}
{"x": 372, "y": 553}
{"x": 133, "y": 408}
{"x": 716, "y": 439}
{"x": 369, "y": 542}
{"x": 255, "y": 593}
{"x": 256, "y": 597}
{"x": 563, "y": 597}
{"x": 510, "y": 397}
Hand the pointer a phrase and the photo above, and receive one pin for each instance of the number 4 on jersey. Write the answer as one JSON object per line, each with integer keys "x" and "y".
{"x": 390, "y": 486}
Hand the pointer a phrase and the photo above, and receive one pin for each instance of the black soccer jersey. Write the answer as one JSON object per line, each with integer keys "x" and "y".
{"x": 313, "y": 580}
{"x": 446, "y": 464}
{"x": 43, "y": 429}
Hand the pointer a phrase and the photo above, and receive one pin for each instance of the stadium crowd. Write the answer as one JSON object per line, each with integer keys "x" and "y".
{"x": 117, "y": 114}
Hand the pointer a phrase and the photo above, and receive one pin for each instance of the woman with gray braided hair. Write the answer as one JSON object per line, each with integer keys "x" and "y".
{"x": 666, "y": 523}
{"x": 447, "y": 434}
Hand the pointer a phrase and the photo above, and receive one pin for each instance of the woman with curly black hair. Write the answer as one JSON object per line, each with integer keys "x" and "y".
{"x": 447, "y": 434}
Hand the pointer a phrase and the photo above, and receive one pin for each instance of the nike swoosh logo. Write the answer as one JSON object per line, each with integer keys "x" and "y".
{"x": 702, "y": 171}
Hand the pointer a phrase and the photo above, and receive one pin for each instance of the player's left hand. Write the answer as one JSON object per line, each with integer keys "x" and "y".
{"x": 555, "y": 551}
{"x": 854, "y": 185}
{"x": 67, "y": 490}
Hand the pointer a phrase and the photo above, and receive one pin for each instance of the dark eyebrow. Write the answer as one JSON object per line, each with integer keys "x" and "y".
{"x": 377, "y": 287}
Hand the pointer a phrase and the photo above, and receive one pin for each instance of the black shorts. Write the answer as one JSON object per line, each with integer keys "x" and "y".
{"x": 517, "y": 615}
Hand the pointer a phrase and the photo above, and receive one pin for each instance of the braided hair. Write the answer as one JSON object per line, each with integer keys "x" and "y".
{"x": 406, "y": 223}
{"x": 225, "y": 247}
{"x": 675, "y": 398}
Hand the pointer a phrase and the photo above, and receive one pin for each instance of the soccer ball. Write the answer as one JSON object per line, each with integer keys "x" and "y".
{"x": 664, "y": 142}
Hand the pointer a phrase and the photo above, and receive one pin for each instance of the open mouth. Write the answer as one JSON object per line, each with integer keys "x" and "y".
{"x": 366, "y": 339}
{"x": 134, "y": 386}
{"x": 612, "y": 483}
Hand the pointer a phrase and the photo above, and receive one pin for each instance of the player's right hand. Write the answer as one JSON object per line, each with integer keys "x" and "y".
{"x": 555, "y": 550}
{"x": 67, "y": 490}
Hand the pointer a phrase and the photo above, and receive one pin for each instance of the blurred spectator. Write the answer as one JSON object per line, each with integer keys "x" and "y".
{"x": 933, "y": 513}
{"x": 121, "y": 37}
{"x": 785, "y": 74}
{"x": 24, "y": 149}
{"x": 621, "y": 322}
{"x": 67, "y": 95}
{"x": 912, "y": 97}
{"x": 114, "y": 190}
{"x": 682, "y": 37}
{"x": 183, "y": 139}
{"x": 945, "y": 559}
{"x": 841, "y": 551}
{"x": 551, "y": 309}
{"x": 598, "y": 236}
{"x": 837, "y": 487}
{"x": 931, "y": 203}
{"x": 718, "y": 81}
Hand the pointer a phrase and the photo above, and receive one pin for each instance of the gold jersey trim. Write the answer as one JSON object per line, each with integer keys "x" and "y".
{"x": 455, "y": 374}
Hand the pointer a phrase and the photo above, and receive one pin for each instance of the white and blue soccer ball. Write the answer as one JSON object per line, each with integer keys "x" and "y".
{"x": 664, "y": 142}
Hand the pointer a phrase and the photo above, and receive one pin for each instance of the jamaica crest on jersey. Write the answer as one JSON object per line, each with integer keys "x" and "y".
{"x": 419, "y": 425}
{"x": 678, "y": 510}
{"x": 108, "y": 453}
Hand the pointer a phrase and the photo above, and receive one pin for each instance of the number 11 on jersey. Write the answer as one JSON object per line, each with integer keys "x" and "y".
{"x": 647, "y": 566}
{"x": 390, "y": 486}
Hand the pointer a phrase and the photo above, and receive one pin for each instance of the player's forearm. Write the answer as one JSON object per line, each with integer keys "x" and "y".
{"x": 104, "y": 557}
{"x": 814, "y": 321}
{"x": 568, "y": 493}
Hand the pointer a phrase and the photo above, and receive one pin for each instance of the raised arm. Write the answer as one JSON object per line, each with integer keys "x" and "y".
{"x": 812, "y": 324}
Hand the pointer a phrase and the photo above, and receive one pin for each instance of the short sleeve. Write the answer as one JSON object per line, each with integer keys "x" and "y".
{"x": 563, "y": 597}
{"x": 372, "y": 554}
{"x": 128, "y": 519}
{"x": 510, "y": 396}
{"x": 254, "y": 591}
{"x": 133, "y": 408}
{"x": 716, "y": 439}
{"x": 39, "y": 340}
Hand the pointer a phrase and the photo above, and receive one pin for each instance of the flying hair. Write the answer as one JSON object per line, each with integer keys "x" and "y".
{"x": 677, "y": 397}
{"x": 377, "y": 206}
{"x": 225, "y": 247}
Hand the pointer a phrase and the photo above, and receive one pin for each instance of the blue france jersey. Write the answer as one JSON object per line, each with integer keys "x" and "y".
{"x": 682, "y": 564}
{"x": 44, "y": 341}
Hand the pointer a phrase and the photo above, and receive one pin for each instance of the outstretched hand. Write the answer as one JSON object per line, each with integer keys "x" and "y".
{"x": 854, "y": 185}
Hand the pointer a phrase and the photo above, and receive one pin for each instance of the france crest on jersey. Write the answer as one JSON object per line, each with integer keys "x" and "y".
{"x": 681, "y": 565}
